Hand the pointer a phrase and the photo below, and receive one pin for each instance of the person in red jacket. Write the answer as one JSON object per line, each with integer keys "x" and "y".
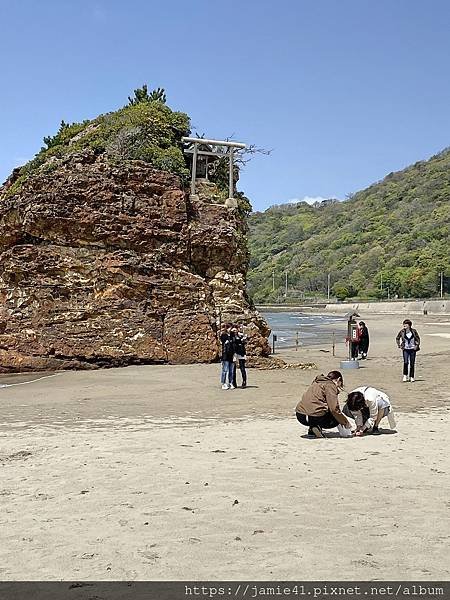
{"x": 354, "y": 341}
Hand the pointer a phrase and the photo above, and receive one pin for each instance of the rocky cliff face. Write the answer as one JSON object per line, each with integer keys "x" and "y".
{"x": 106, "y": 264}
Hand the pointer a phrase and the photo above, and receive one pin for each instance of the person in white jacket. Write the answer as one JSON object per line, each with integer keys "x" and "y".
{"x": 368, "y": 406}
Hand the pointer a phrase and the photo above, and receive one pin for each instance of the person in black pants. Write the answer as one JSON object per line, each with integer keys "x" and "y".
{"x": 227, "y": 341}
{"x": 354, "y": 341}
{"x": 319, "y": 407}
{"x": 408, "y": 341}
{"x": 239, "y": 354}
{"x": 363, "y": 339}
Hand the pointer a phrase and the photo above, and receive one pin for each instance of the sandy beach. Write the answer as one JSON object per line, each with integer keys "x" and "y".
{"x": 155, "y": 473}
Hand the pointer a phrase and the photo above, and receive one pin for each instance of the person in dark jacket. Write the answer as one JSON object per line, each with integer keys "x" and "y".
{"x": 227, "y": 341}
{"x": 239, "y": 357}
{"x": 408, "y": 341}
{"x": 363, "y": 339}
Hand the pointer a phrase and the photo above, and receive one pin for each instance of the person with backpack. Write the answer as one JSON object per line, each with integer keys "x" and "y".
{"x": 408, "y": 341}
{"x": 354, "y": 341}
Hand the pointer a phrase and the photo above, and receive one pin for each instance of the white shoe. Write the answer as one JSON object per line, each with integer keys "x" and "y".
{"x": 412, "y": 379}
{"x": 231, "y": 387}
{"x": 405, "y": 378}
{"x": 224, "y": 386}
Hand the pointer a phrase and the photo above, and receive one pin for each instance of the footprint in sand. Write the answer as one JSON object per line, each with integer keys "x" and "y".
{"x": 149, "y": 557}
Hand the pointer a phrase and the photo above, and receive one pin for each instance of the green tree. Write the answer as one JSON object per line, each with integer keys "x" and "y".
{"x": 142, "y": 95}
{"x": 54, "y": 140}
{"x": 342, "y": 290}
{"x": 158, "y": 95}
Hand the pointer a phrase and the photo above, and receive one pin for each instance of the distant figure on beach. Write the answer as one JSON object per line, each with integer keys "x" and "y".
{"x": 354, "y": 341}
{"x": 363, "y": 339}
{"x": 319, "y": 407}
{"x": 408, "y": 341}
{"x": 227, "y": 341}
{"x": 240, "y": 340}
{"x": 368, "y": 406}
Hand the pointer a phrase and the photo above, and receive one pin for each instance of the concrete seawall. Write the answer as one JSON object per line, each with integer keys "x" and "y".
{"x": 409, "y": 307}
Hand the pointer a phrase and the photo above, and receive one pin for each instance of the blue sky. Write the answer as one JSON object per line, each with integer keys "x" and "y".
{"x": 342, "y": 91}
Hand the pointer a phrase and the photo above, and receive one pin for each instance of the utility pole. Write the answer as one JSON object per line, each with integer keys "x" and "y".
{"x": 442, "y": 283}
{"x": 328, "y": 286}
{"x": 273, "y": 280}
{"x": 286, "y": 285}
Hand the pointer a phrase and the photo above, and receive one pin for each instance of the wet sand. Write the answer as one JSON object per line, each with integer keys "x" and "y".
{"x": 154, "y": 472}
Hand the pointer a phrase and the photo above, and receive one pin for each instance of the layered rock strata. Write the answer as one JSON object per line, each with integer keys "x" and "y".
{"x": 106, "y": 264}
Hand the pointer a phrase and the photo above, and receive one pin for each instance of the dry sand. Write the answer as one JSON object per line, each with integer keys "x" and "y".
{"x": 155, "y": 473}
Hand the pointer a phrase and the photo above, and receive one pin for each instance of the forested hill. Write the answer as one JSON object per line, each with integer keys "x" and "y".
{"x": 393, "y": 237}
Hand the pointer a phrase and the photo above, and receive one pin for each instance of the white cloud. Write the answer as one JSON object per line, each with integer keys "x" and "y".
{"x": 311, "y": 199}
{"x": 307, "y": 199}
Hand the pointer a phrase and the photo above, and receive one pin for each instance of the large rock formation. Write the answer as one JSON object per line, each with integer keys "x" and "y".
{"x": 106, "y": 264}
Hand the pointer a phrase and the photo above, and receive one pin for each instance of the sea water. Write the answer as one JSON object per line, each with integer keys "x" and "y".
{"x": 313, "y": 329}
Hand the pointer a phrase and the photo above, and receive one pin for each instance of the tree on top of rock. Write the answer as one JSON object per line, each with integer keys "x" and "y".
{"x": 53, "y": 140}
{"x": 142, "y": 95}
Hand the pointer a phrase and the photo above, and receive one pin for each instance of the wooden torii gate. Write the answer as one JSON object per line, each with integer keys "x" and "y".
{"x": 219, "y": 149}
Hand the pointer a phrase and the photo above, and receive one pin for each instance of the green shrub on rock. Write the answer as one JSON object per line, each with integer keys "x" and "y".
{"x": 146, "y": 129}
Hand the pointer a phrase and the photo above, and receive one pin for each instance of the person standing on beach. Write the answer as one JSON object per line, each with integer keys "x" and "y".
{"x": 354, "y": 341}
{"x": 363, "y": 339}
{"x": 319, "y": 407}
{"x": 226, "y": 339}
{"x": 408, "y": 341}
{"x": 240, "y": 357}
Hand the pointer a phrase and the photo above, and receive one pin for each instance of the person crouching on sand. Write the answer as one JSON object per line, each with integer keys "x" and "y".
{"x": 319, "y": 407}
{"x": 368, "y": 406}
